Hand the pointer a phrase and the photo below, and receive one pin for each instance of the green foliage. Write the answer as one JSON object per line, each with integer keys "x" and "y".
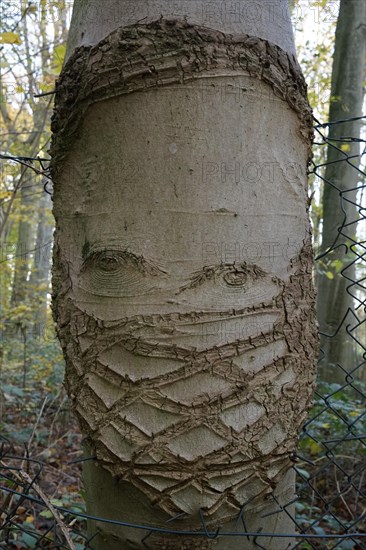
{"x": 33, "y": 48}
{"x": 58, "y": 58}
{"x": 32, "y": 375}
{"x": 341, "y": 412}
{"x": 334, "y": 432}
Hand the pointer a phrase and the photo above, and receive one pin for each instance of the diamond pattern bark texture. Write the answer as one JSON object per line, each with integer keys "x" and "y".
{"x": 218, "y": 422}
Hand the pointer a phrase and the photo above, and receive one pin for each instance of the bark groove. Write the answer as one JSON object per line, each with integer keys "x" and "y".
{"x": 141, "y": 425}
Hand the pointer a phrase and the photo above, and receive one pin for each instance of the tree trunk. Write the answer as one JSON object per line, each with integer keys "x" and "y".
{"x": 25, "y": 242}
{"x": 39, "y": 280}
{"x": 340, "y": 211}
{"x": 182, "y": 267}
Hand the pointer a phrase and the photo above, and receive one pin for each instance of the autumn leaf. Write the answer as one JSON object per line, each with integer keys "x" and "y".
{"x": 10, "y": 38}
{"x": 58, "y": 57}
{"x": 29, "y": 519}
{"x": 315, "y": 448}
{"x": 345, "y": 147}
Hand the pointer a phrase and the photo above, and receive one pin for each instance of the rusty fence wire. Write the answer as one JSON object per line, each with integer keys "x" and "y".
{"x": 329, "y": 510}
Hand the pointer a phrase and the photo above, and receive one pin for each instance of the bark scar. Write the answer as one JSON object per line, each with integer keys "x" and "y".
{"x": 173, "y": 51}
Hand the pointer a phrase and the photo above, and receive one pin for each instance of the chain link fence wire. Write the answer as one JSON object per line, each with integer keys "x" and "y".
{"x": 330, "y": 465}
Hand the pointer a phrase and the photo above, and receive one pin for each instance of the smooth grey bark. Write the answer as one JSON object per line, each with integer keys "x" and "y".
{"x": 182, "y": 269}
{"x": 269, "y": 20}
{"x": 39, "y": 279}
{"x": 340, "y": 212}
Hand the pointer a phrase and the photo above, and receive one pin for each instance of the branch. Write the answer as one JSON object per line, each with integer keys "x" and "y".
{"x": 51, "y": 508}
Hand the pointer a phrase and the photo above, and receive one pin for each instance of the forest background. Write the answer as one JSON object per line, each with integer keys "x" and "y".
{"x": 34, "y": 410}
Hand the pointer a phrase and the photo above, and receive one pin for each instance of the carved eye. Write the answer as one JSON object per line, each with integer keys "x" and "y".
{"x": 119, "y": 274}
{"x": 235, "y": 278}
{"x": 108, "y": 263}
{"x": 231, "y": 275}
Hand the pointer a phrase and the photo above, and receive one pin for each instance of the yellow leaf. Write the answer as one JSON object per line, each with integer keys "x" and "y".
{"x": 337, "y": 264}
{"x": 59, "y": 56}
{"x": 29, "y": 519}
{"x": 345, "y": 147}
{"x": 10, "y": 38}
{"x": 329, "y": 275}
{"x": 5, "y": 195}
{"x": 315, "y": 448}
{"x": 354, "y": 413}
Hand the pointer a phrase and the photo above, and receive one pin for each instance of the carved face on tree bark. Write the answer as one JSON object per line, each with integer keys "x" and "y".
{"x": 182, "y": 281}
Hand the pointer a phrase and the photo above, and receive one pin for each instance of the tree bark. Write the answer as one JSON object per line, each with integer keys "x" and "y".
{"x": 340, "y": 212}
{"x": 182, "y": 269}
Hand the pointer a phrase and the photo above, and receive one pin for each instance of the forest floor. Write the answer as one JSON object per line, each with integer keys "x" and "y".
{"x": 40, "y": 468}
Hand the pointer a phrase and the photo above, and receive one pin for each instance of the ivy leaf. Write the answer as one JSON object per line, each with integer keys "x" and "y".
{"x": 29, "y": 540}
{"x": 10, "y": 38}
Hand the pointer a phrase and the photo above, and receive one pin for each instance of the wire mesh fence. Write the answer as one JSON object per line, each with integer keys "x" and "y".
{"x": 329, "y": 510}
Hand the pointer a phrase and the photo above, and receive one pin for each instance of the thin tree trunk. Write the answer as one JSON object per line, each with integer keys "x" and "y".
{"x": 30, "y": 198}
{"x": 182, "y": 267}
{"x": 39, "y": 280}
{"x": 25, "y": 241}
{"x": 340, "y": 211}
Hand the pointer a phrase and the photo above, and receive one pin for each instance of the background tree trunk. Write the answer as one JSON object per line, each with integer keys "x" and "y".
{"x": 19, "y": 309}
{"x": 39, "y": 280}
{"x": 24, "y": 247}
{"x": 182, "y": 266}
{"x": 340, "y": 211}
